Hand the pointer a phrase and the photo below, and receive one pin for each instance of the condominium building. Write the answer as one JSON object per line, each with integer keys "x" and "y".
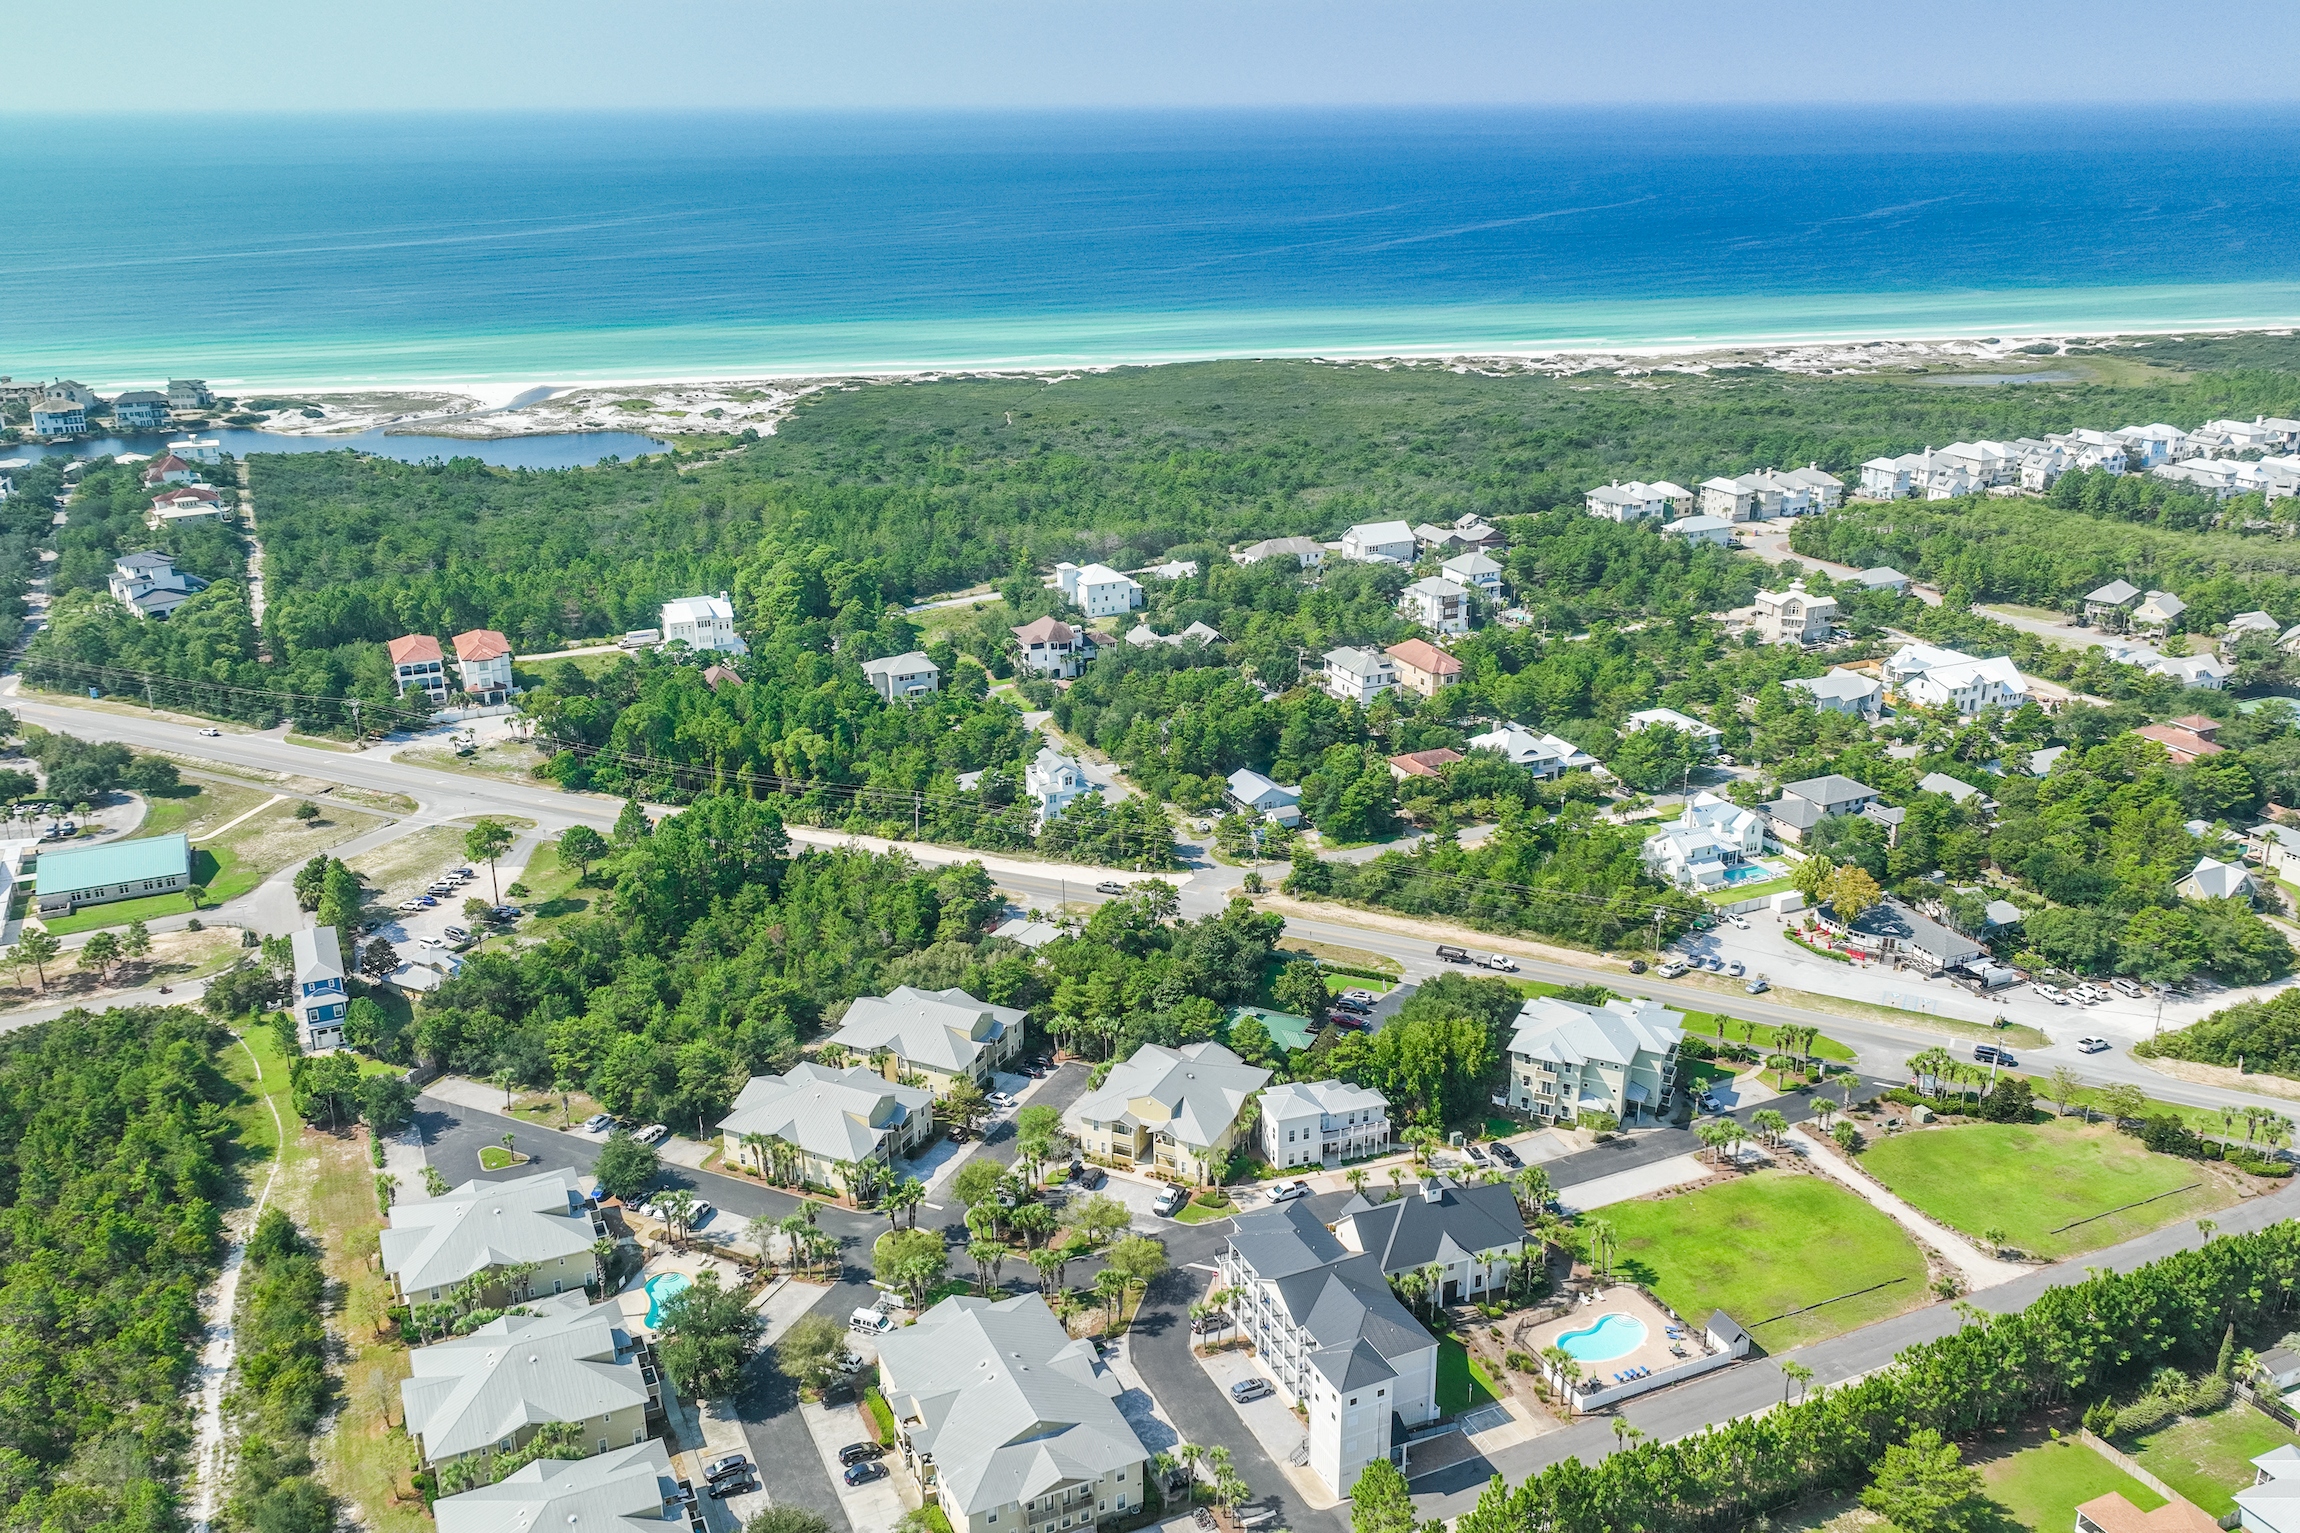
{"x": 944, "y": 1035}
{"x": 1618, "y": 1059}
{"x": 1307, "y": 1123}
{"x": 417, "y": 665}
{"x": 1171, "y": 1112}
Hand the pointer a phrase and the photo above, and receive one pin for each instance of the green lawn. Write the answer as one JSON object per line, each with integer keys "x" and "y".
{"x": 1462, "y": 1384}
{"x": 1767, "y": 1243}
{"x": 2029, "y": 1181}
{"x": 196, "y": 806}
{"x": 2210, "y": 1459}
{"x": 493, "y": 1157}
{"x": 1734, "y": 894}
{"x": 1196, "y": 1212}
{"x": 2041, "y": 1487}
{"x": 1761, "y": 1035}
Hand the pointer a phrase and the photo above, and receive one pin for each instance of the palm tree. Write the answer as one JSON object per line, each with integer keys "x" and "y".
{"x": 678, "y": 1208}
{"x": 1533, "y": 1189}
{"x": 1770, "y": 1123}
{"x": 1794, "y": 1373}
{"x": 1397, "y": 1175}
{"x": 1049, "y": 1263}
{"x": 603, "y": 1252}
{"x": 754, "y": 1144}
{"x": 1188, "y": 1455}
{"x": 987, "y": 1254}
{"x": 1357, "y": 1180}
{"x": 1601, "y": 1245}
{"x": 1433, "y": 1282}
{"x": 1497, "y": 1265}
{"x": 1110, "y": 1288}
{"x": 1623, "y": 1433}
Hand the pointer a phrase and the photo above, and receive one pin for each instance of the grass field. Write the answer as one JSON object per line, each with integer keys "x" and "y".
{"x": 2030, "y": 1181}
{"x": 1462, "y": 1384}
{"x": 194, "y": 807}
{"x": 2210, "y": 1459}
{"x": 1768, "y": 1243}
{"x": 2041, "y": 1487}
{"x": 401, "y": 868}
{"x": 1760, "y": 1035}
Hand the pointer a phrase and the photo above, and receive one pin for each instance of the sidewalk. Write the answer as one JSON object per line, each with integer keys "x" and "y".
{"x": 1979, "y": 1271}
{"x": 1634, "y": 1183}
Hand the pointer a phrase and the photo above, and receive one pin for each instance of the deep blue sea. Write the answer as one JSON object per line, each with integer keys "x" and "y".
{"x": 551, "y": 250}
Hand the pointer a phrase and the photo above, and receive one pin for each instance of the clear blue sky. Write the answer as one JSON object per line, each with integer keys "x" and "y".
{"x": 297, "y": 55}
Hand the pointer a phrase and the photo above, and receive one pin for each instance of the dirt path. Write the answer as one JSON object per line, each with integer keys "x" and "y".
{"x": 208, "y": 1458}
{"x": 1980, "y": 1269}
{"x": 255, "y": 553}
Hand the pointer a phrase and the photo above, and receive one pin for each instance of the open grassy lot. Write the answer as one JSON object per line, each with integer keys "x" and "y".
{"x": 2040, "y": 1487}
{"x": 1759, "y": 1035}
{"x": 175, "y": 957}
{"x": 404, "y": 867}
{"x": 2032, "y": 1181}
{"x": 2209, "y": 1459}
{"x": 515, "y": 760}
{"x": 1769, "y": 1243}
{"x": 1462, "y": 1384}
{"x": 195, "y": 807}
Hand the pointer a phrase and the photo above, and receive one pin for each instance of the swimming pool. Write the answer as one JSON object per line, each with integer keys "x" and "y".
{"x": 1748, "y": 873}
{"x": 1613, "y": 1336}
{"x": 666, "y": 1285}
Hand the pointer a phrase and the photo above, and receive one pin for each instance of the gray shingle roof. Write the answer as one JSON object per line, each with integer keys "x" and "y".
{"x": 1410, "y": 1232}
{"x": 622, "y": 1491}
{"x": 1338, "y": 1296}
{"x": 836, "y": 1114}
{"x": 1829, "y": 791}
{"x": 569, "y": 1362}
{"x": 1200, "y": 1089}
{"x": 946, "y": 1030}
{"x": 485, "y": 1224}
{"x": 1009, "y": 1405}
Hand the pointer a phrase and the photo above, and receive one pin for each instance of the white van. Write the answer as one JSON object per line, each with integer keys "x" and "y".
{"x": 871, "y": 1322}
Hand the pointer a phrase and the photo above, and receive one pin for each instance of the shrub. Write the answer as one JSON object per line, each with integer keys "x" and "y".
{"x": 2167, "y": 1135}
{"x": 2010, "y": 1101}
{"x": 1519, "y": 1362}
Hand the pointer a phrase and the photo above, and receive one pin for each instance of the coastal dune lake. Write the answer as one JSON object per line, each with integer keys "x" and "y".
{"x": 343, "y": 251}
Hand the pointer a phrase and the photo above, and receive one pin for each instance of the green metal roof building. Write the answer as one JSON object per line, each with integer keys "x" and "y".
{"x": 117, "y": 870}
{"x": 1287, "y": 1031}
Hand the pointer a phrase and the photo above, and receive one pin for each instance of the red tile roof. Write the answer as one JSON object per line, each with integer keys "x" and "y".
{"x": 2184, "y": 744}
{"x": 171, "y": 464}
{"x": 182, "y": 492}
{"x": 2198, "y": 722}
{"x": 1422, "y": 655}
{"x": 1424, "y": 763}
{"x": 481, "y": 644}
{"x": 413, "y": 650}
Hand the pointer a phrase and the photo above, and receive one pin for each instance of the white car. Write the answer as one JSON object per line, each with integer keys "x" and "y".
{"x": 651, "y": 1133}
{"x": 2052, "y": 993}
{"x": 1284, "y": 1191}
{"x": 1737, "y": 921}
{"x": 999, "y": 1099}
{"x": 2125, "y": 987}
{"x": 211, "y": 734}
{"x": 1501, "y": 962}
{"x": 2091, "y": 1045}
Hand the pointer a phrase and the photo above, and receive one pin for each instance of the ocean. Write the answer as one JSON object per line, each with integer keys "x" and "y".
{"x": 287, "y": 251}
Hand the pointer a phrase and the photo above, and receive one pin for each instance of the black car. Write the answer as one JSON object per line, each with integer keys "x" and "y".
{"x": 857, "y": 1453}
{"x": 720, "y": 1468}
{"x": 735, "y": 1485}
{"x": 864, "y": 1472}
{"x": 1092, "y": 1178}
{"x": 1504, "y": 1154}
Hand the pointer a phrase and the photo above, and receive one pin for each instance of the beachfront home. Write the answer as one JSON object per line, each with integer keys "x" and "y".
{"x": 944, "y": 1035}
{"x": 150, "y": 585}
{"x": 832, "y": 1120}
{"x": 1342, "y": 1349}
{"x": 1249, "y": 792}
{"x": 1048, "y": 646}
{"x": 1098, "y": 590}
{"x": 1312, "y": 1123}
{"x": 418, "y": 666}
{"x": 54, "y": 417}
{"x": 1423, "y": 668}
{"x": 1795, "y": 616}
{"x": 1618, "y": 1060}
{"x": 898, "y": 678}
{"x": 537, "y": 1223}
{"x": 189, "y": 395}
{"x": 1635, "y": 501}
{"x": 490, "y": 1390}
{"x": 1358, "y": 675}
{"x": 115, "y": 870}
{"x": 1171, "y": 1113}
{"x": 1842, "y": 692}
{"x": 197, "y": 450}
{"x": 317, "y": 997}
{"x": 1442, "y": 606}
{"x": 1545, "y": 756}
{"x": 1054, "y": 782}
{"x": 1379, "y": 543}
{"x": 1011, "y": 1424}
{"x": 1309, "y": 553}
{"x": 703, "y": 622}
{"x": 1703, "y": 736}
{"x": 141, "y": 410}
{"x": 626, "y": 1490}
{"x": 483, "y": 664}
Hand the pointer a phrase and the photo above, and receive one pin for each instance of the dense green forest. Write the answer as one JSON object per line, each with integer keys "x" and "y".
{"x": 114, "y": 1150}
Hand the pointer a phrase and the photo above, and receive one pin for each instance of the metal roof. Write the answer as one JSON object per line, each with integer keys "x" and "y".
{"x": 116, "y": 862}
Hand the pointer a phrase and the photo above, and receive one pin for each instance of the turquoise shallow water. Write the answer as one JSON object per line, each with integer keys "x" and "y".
{"x": 1613, "y": 1336}
{"x": 348, "y": 250}
{"x": 661, "y": 1288}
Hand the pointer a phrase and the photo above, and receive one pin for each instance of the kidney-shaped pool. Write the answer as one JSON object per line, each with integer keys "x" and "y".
{"x": 1613, "y": 1336}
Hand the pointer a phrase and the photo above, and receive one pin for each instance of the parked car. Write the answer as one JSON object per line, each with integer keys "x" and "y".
{"x": 426, "y": 901}
{"x": 1672, "y": 969}
{"x": 1735, "y": 969}
{"x": 463, "y": 875}
{"x": 734, "y": 1485}
{"x": 1110, "y": 886}
{"x": 701, "y": 1214}
{"x": 2052, "y": 993}
{"x": 1169, "y": 1202}
{"x": 847, "y": 1362}
{"x": 1637, "y": 966}
{"x": 211, "y": 733}
{"x": 1757, "y": 986}
{"x": 1360, "y": 997}
{"x": 651, "y": 1133}
{"x": 1716, "y": 964}
{"x": 2125, "y": 987}
{"x": 1737, "y": 921}
{"x": 2092, "y": 1045}
{"x": 455, "y": 933}
{"x": 1282, "y": 1191}
{"x": 1991, "y": 1054}
{"x": 1093, "y": 1178}
{"x": 599, "y": 1123}
{"x": 720, "y": 1468}
{"x": 1252, "y": 1389}
{"x": 856, "y": 1453}
{"x": 960, "y": 1133}
{"x": 999, "y": 1099}
{"x": 864, "y": 1472}
{"x": 1506, "y": 1155}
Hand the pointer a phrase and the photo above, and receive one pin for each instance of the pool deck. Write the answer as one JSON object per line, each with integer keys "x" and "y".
{"x": 634, "y": 1299}
{"x": 1652, "y": 1352}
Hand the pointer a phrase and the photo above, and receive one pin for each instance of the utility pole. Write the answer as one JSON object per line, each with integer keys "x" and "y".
{"x": 148, "y": 694}
{"x": 355, "y": 734}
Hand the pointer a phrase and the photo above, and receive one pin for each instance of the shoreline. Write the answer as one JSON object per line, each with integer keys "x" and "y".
{"x": 716, "y": 402}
